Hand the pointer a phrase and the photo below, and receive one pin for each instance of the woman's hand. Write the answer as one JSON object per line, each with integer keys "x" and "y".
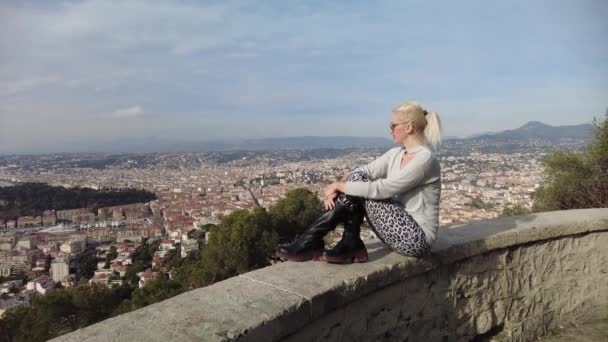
{"x": 330, "y": 202}
{"x": 331, "y": 192}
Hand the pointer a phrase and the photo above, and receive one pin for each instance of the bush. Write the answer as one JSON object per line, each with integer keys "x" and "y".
{"x": 515, "y": 211}
{"x": 574, "y": 180}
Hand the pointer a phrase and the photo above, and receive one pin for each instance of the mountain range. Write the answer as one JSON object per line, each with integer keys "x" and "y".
{"x": 532, "y": 130}
{"x": 535, "y": 130}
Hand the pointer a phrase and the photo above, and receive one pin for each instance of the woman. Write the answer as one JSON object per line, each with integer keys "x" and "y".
{"x": 398, "y": 193}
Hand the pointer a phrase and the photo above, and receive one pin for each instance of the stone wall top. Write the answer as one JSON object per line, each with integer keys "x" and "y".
{"x": 271, "y": 303}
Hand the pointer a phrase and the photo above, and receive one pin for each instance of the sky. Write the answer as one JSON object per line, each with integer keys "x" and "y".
{"x": 105, "y": 70}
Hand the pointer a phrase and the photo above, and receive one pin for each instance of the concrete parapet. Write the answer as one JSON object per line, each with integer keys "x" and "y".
{"x": 512, "y": 278}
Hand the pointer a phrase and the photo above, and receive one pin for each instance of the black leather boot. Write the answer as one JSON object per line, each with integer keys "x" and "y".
{"x": 310, "y": 244}
{"x": 351, "y": 248}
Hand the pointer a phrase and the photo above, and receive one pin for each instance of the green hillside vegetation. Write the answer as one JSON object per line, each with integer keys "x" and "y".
{"x": 577, "y": 180}
{"x": 34, "y": 198}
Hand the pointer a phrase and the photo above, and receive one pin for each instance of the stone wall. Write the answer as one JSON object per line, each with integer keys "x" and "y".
{"x": 514, "y": 294}
{"x": 512, "y": 279}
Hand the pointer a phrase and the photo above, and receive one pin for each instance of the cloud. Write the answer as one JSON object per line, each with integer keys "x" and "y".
{"x": 131, "y": 112}
{"x": 8, "y": 88}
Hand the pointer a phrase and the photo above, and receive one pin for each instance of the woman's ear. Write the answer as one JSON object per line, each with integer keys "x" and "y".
{"x": 409, "y": 128}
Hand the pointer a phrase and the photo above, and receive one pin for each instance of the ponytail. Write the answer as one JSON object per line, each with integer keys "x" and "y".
{"x": 432, "y": 131}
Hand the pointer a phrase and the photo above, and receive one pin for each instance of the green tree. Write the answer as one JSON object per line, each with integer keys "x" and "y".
{"x": 131, "y": 273}
{"x": 576, "y": 180}
{"x": 62, "y": 311}
{"x": 293, "y": 214}
{"x": 145, "y": 252}
{"x": 245, "y": 240}
{"x": 111, "y": 254}
{"x": 155, "y": 291}
{"x": 242, "y": 242}
{"x": 88, "y": 264}
{"x": 33, "y": 198}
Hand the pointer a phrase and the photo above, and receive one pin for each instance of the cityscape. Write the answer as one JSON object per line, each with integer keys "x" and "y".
{"x": 198, "y": 189}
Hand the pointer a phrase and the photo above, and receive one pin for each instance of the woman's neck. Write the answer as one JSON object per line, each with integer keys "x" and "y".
{"x": 412, "y": 141}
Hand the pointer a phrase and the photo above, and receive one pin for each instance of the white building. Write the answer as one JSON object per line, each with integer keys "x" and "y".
{"x": 60, "y": 267}
{"x": 25, "y": 243}
{"x": 188, "y": 246}
{"x": 73, "y": 246}
{"x": 42, "y": 284}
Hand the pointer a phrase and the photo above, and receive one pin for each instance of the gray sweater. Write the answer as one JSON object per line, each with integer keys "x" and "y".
{"x": 417, "y": 186}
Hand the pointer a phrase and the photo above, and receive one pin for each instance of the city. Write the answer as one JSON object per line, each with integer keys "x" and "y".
{"x": 195, "y": 190}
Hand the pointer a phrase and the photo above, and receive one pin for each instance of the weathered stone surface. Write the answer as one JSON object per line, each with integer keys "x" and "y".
{"x": 233, "y": 309}
{"x": 517, "y": 277}
{"x": 328, "y": 286}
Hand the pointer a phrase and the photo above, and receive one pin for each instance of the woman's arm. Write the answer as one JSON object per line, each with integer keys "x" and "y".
{"x": 378, "y": 168}
{"x": 410, "y": 177}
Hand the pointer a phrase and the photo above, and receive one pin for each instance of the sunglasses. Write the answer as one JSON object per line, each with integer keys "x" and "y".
{"x": 392, "y": 125}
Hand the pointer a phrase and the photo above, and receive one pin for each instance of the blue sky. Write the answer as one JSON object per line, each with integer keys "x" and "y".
{"x": 103, "y": 70}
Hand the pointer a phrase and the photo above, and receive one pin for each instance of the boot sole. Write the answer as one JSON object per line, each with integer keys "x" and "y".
{"x": 313, "y": 255}
{"x": 359, "y": 256}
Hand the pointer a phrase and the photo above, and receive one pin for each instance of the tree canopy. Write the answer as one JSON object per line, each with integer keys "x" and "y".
{"x": 34, "y": 198}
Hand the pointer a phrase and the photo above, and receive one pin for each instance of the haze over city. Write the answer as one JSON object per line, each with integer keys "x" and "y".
{"x": 89, "y": 71}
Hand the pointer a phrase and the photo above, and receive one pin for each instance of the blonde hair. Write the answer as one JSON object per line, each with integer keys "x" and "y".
{"x": 424, "y": 121}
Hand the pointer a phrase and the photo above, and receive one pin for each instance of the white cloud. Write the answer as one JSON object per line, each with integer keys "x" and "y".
{"x": 8, "y": 88}
{"x": 131, "y": 112}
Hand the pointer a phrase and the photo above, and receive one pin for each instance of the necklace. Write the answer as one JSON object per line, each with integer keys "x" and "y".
{"x": 405, "y": 160}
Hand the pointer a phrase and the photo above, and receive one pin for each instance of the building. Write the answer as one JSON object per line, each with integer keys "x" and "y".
{"x": 49, "y": 218}
{"x": 101, "y": 278}
{"x": 6, "y": 269}
{"x": 42, "y": 284}
{"x": 68, "y": 215}
{"x": 136, "y": 211}
{"x": 100, "y": 234}
{"x": 166, "y": 245}
{"x": 188, "y": 246}
{"x": 60, "y": 267}
{"x": 146, "y": 276}
{"x": 84, "y": 218}
{"x": 26, "y": 243}
{"x": 7, "y": 242}
{"x": 29, "y": 221}
{"x": 74, "y": 246}
{"x": 128, "y": 235}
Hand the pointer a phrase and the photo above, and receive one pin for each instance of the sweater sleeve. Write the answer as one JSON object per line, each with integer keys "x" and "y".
{"x": 408, "y": 178}
{"x": 378, "y": 168}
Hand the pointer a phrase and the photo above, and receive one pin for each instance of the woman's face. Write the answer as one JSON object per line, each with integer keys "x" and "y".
{"x": 398, "y": 130}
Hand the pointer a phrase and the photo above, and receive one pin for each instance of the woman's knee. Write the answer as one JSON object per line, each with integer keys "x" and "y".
{"x": 359, "y": 176}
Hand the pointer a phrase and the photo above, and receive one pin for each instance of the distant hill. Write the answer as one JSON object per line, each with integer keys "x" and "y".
{"x": 148, "y": 145}
{"x": 535, "y": 130}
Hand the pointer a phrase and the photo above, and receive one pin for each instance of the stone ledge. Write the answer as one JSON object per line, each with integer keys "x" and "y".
{"x": 271, "y": 303}
{"x": 465, "y": 240}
